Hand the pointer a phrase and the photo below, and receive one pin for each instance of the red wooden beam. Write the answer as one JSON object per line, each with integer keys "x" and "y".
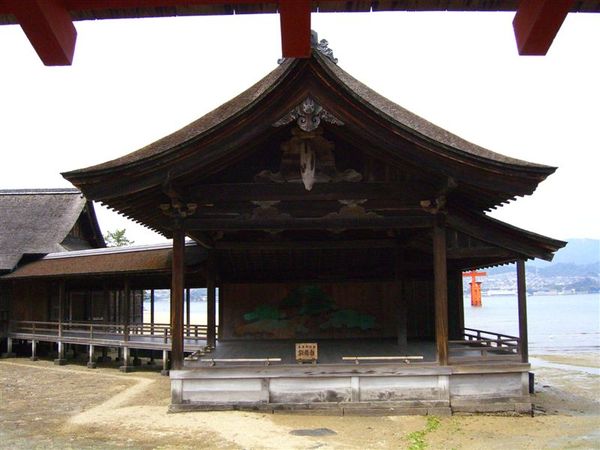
{"x": 537, "y": 22}
{"x": 48, "y": 27}
{"x": 295, "y": 28}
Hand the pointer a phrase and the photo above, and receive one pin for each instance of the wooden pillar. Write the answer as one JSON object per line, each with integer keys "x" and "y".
{"x": 151, "y": 311}
{"x": 91, "y": 364}
{"x": 165, "y": 363}
{"x": 187, "y": 310}
{"x": 126, "y": 309}
{"x": 125, "y": 314}
{"x": 62, "y": 295}
{"x": 522, "y": 299}
{"x": 9, "y": 348}
{"x": 440, "y": 286}
{"x": 401, "y": 309}
{"x": 34, "y": 350}
{"x": 177, "y": 288}
{"x": 106, "y": 300}
{"x": 461, "y": 305}
{"x": 211, "y": 302}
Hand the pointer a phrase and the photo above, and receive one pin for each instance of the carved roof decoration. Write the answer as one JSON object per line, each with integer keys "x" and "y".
{"x": 308, "y": 116}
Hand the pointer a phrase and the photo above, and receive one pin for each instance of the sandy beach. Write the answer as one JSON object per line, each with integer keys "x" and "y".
{"x": 45, "y": 406}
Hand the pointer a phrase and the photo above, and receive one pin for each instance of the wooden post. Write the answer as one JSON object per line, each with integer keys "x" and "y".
{"x": 187, "y": 310}
{"x": 9, "y": 348}
{"x": 62, "y": 294}
{"x": 91, "y": 364}
{"x": 522, "y": 298}
{"x": 165, "y": 362}
{"x": 401, "y": 307}
{"x": 177, "y": 287}
{"x": 33, "y": 350}
{"x": 126, "y": 309}
{"x": 211, "y": 298}
{"x": 461, "y": 305}
{"x": 440, "y": 282}
{"x": 126, "y": 367}
{"x": 152, "y": 311}
{"x": 125, "y": 317}
{"x": 105, "y": 300}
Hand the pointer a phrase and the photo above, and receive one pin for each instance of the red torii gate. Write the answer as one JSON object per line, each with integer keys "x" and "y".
{"x": 49, "y": 27}
{"x": 475, "y": 286}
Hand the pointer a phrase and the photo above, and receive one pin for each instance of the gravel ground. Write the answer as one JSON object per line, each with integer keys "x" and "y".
{"x": 45, "y": 406}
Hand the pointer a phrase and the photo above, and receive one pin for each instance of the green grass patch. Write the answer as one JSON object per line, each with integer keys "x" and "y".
{"x": 416, "y": 439}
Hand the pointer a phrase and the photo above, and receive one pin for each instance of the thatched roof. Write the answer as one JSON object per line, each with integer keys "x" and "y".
{"x": 383, "y": 107}
{"x": 38, "y": 221}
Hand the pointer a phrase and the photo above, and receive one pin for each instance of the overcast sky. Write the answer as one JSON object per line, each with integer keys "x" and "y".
{"x": 134, "y": 81}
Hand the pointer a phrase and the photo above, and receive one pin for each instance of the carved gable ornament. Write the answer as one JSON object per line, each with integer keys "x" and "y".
{"x": 308, "y": 158}
{"x": 308, "y": 116}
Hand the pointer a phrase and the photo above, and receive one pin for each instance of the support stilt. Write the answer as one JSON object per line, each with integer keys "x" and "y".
{"x": 126, "y": 367}
{"x": 91, "y": 363}
{"x": 33, "y": 350}
{"x": 9, "y": 349}
{"x": 165, "y": 362}
{"x": 60, "y": 360}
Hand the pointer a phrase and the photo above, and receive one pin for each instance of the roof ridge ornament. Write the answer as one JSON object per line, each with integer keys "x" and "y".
{"x": 308, "y": 116}
{"x": 321, "y": 46}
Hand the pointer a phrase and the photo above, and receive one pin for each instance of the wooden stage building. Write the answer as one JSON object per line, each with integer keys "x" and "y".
{"x": 324, "y": 214}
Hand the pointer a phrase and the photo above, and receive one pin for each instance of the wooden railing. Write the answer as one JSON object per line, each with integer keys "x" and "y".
{"x": 478, "y": 345}
{"x": 94, "y": 330}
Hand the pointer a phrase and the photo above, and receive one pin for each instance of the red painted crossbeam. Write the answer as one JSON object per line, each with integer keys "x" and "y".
{"x": 48, "y": 27}
{"x": 537, "y": 22}
{"x": 295, "y": 28}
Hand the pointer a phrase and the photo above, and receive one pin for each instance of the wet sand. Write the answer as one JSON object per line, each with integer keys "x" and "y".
{"x": 45, "y": 406}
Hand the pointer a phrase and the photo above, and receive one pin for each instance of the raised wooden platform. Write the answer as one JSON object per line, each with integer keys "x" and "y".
{"x": 334, "y": 386}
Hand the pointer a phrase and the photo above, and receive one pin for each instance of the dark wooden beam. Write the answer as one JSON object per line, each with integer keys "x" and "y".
{"x": 310, "y": 223}
{"x": 478, "y": 252}
{"x": 48, "y": 27}
{"x": 440, "y": 281}
{"x": 294, "y": 17}
{"x": 537, "y": 22}
{"x": 211, "y": 299}
{"x": 126, "y": 309}
{"x": 177, "y": 288}
{"x": 241, "y": 192}
{"x": 308, "y": 245}
{"x": 522, "y": 299}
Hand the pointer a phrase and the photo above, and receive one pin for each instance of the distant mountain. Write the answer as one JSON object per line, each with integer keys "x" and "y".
{"x": 577, "y": 251}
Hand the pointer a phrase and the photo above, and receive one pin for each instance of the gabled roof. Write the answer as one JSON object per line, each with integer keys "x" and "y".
{"x": 485, "y": 179}
{"x": 38, "y": 221}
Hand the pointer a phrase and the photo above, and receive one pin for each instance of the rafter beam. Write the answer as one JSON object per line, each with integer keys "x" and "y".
{"x": 537, "y": 22}
{"x": 294, "y": 17}
{"x": 48, "y": 27}
{"x": 308, "y": 245}
{"x": 240, "y": 192}
{"x": 422, "y": 221}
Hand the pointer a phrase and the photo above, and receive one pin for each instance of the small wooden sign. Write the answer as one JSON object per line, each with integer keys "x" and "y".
{"x": 307, "y": 352}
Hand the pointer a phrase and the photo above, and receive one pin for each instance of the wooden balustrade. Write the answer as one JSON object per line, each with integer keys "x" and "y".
{"x": 91, "y": 331}
{"x": 479, "y": 345}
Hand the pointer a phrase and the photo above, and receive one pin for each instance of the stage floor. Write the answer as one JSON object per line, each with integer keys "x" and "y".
{"x": 330, "y": 351}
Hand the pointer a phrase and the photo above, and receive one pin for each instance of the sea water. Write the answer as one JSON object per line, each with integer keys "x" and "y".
{"x": 556, "y": 323}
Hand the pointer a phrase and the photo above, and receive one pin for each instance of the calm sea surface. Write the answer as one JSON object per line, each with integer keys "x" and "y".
{"x": 556, "y": 323}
